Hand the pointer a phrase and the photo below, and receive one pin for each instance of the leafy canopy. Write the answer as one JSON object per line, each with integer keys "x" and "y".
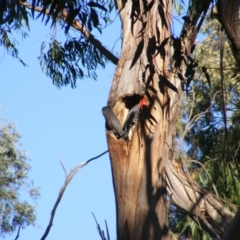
{"x": 64, "y": 62}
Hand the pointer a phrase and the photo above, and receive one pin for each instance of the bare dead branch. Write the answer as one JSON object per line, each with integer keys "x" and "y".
{"x": 78, "y": 26}
{"x": 62, "y": 190}
{"x": 91, "y": 159}
{"x": 17, "y": 233}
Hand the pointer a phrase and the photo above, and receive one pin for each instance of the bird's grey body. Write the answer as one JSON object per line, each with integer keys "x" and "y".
{"x": 114, "y": 123}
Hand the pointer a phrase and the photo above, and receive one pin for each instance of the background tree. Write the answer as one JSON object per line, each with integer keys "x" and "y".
{"x": 14, "y": 169}
{"x": 212, "y": 156}
{"x": 155, "y": 64}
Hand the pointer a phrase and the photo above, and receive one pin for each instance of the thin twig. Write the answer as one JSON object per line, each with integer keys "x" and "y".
{"x": 64, "y": 169}
{"x": 62, "y": 190}
{"x": 108, "y": 236}
{"x": 190, "y": 123}
{"x": 222, "y": 92}
{"x": 195, "y": 161}
{"x": 101, "y": 233}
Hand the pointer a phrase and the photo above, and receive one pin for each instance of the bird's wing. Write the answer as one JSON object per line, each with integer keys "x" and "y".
{"x": 131, "y": 117}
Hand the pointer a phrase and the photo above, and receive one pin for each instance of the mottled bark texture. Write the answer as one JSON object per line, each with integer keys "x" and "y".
{"x": 143, "y": 169}
{"x": 138, "y": 167}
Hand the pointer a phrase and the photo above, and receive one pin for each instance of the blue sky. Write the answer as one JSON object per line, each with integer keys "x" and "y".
{"x": 66, "y": 123}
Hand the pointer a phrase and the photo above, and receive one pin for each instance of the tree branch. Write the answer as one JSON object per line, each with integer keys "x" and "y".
{"x": 17, "y": 233}
{"x": 205, "y": 208}
{"x": 78, "y": 26}
{"x": 62, "y": 190}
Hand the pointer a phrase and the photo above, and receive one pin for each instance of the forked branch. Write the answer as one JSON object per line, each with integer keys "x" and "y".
{"x": 68, "y": 178}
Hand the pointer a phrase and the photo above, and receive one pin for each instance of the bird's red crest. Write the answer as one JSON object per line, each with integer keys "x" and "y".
{"x": 143, "y": 102}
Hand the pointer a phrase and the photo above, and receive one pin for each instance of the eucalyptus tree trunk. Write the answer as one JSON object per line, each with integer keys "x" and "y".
{"x": 144, "y": 175}
{"x": 138, "y": 167}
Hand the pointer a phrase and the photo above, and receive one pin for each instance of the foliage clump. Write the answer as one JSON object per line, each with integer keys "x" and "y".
{"x": 14, "y": 168}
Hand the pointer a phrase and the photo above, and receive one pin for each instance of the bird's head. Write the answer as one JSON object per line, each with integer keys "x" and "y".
{"x": 143, "y": 102}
